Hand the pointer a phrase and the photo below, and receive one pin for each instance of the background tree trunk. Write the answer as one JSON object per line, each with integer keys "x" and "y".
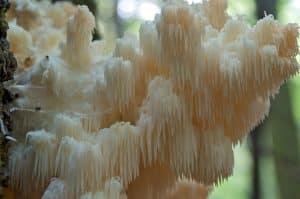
{"x": 117, "y": 20}
{"x": 283, "y": 131}
{"x": 285, "y": 145}
{"x": 262, "y": 8}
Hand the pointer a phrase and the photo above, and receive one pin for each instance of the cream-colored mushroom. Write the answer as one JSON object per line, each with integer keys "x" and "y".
{"x": 165, "y": 107}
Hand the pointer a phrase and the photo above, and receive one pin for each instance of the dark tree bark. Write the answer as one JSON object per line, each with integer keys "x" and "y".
{"x": 255, "y": 152}
{"x": 8, "y": 65}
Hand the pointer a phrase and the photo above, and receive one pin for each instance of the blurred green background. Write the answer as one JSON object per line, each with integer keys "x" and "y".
{"x": 267, "y": 163}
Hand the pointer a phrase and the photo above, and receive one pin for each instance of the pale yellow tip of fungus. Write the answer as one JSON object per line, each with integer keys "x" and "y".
{"x": 77, "y": 51}
{"x": 21, "y": 44}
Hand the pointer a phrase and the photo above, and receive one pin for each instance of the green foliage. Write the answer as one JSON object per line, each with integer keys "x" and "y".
{"x": 245, "y": 8}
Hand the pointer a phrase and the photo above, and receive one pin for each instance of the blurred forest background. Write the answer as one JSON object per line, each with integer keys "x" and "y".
{"x": 267, "y": 164}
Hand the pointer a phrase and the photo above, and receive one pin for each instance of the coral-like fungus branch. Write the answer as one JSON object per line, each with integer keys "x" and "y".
{"x": 152, "y": 120}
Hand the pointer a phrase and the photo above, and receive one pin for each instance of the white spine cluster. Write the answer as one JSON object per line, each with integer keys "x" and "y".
{"x": 166, "y": 107}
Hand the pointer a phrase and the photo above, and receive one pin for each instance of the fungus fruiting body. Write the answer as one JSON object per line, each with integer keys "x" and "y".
{"x": 153, "y": 119}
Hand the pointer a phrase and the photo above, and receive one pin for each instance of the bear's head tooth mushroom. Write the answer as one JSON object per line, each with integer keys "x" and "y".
{"x": 157, "y": 117}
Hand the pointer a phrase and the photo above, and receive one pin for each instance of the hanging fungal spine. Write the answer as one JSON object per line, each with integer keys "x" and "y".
{"x": 155, "y": 113}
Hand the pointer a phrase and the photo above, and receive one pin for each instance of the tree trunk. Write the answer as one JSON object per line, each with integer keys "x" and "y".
{"x": 118, "y": 20}
{"x": 283, "y": 130}
{"x": 285, "y": 145}
{"x": 262, "y": 8}
{"x": 8, "y": 65}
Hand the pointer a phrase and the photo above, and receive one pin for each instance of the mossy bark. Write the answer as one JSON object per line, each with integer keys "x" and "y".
{"x": 8, "y": 65}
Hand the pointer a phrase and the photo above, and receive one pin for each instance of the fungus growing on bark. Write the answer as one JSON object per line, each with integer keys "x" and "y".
{"x": 167, "y": 107}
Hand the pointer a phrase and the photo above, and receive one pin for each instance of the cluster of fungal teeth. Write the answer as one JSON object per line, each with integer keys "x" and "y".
{"x": 157, "y": 117}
